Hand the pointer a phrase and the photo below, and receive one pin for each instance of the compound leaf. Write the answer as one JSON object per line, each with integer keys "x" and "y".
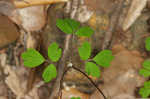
{"x": 49, "y": 73}
{"x": 68, "y": 26}
{"x": 85, "y": 31}
{"x": 144, "y": 72}
{"x": 85, "y": 51}
{"x": 63, "y": 26}
{"x": 144, "y": 92}
{"x": 147, "y": 84}
{"x": 147, "y": 43}
{"x": 92, "y": 69}
{"x": 146, "y": 64}
{"x": 104, "y": 58}
{"x": 73, "y": 24}
{"x": 54, "y": 52}
{"x": 32, "y": 58}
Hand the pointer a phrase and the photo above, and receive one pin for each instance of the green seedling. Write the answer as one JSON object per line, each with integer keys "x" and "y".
{"x": 75, "y": 98}
{"x": 145, "y": 71}
{"x": 147, "y": 43}
{"x": 33, "y": 58}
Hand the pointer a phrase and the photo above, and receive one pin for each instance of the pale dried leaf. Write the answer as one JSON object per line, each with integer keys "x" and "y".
{"x": 13, "y": 82}
{"x": 134, "y": 12}
{"x": 33, "y": 18}
{"x": 78, "y": 10}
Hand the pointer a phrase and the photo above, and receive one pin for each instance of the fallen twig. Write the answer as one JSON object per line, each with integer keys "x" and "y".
{"x": 112, "y": 25}
{"x": 61, "y": 68}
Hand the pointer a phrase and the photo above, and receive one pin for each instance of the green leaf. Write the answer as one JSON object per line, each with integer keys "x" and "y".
{"x": 144, "y": 92}
{"x": 49, "y": 73}
{"x": 85, "y": 51}
{"x": 144, "y": 72}
{"x": 68, "y": 26}
{"x": 32, "y": 58}
{"x": 92, "y": 69}
{"x": 147, "y": 84}
{"x": 75, "y": 98}
{"x": 146, "y": 64}
{"x": 85, "y": 31}
{"x": 147, "y": 43}
{"x": 104, "y": 58}
{"x": 54, "y": 52}
{"x": 73, "y": 24}
{"x": 63, "y": 26}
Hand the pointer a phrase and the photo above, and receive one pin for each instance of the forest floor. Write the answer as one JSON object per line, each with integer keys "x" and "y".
{"x": 119, "y": 25}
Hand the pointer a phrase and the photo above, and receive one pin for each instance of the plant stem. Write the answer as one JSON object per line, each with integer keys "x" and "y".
{"x": 90, "y": 81}
{"x": 62, "y": 79}
{"x": 99, "y": 90}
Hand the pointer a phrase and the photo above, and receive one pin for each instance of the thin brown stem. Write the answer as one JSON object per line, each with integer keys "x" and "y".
{"x": 62, "y": 79}
{"x": 99, "y": 90}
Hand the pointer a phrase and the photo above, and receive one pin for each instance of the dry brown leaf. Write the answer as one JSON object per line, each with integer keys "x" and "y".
{"x": 8, "y": 31}
{"x": 100, "y": 5}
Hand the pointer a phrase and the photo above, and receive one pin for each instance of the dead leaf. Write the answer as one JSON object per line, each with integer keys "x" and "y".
{"x": 8, "y": 31}
{"x": 134, "y": 12}
{"x": 67, "y": 94}
{"x": 33, "y": 18}
{"x": 100, "y": 5}
{"x": 121, "y": 79}
{"x": 27, "y": 3}
{"x": 6, "y": 7}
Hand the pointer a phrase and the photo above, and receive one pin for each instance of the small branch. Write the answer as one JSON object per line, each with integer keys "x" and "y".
{"x": 62, "y": 79}
{"x": 61, "y": 68}
{"x": 90, "y": 81}
{"x": 99, "y": 90}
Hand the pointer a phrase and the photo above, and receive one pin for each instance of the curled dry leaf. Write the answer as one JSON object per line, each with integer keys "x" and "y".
{"x": 134, "y": 12}
{"x": 26, "y": 3}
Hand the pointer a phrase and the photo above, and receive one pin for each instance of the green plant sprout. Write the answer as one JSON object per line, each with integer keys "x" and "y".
{"x": 75, "y": 98}
{"x": 147, "y": 43}
{"x": 33, "y": 58}
{"x": 145, "y": 71}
